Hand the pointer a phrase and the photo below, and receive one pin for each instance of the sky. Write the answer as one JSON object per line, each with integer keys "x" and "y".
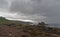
{"x": 31, "y": 10}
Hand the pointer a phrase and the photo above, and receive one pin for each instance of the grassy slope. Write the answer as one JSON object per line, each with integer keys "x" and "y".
{"x": 39, "y": 30}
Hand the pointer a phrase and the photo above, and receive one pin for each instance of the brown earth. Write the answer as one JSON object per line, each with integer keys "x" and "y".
{"x": 7, "y": 31}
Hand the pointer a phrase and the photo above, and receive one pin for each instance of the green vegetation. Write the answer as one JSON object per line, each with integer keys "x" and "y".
{"x": 2, "y": 19}
{"x": 33, "y": 30}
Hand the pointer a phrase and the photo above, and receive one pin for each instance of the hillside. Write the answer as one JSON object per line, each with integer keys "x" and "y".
{"x": 10, "y": 28}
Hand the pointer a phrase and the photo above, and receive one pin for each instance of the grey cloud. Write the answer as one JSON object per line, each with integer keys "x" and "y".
{"x": 3, "y": 4}
{"x": 32, "y": 8}
{"x": 53, "y": 11}
{"x": 38, "y": 10}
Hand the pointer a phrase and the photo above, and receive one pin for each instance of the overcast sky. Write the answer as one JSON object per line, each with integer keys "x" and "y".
{"x": 35, "y": 10}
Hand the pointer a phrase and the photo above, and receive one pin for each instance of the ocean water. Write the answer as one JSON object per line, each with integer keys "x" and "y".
{"x": 54, "y": 25}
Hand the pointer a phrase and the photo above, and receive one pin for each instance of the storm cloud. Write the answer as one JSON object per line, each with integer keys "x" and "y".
{"x": 53, "y": 11}
{"x": 29, "y": 8}
{"x": 36, "y": 10}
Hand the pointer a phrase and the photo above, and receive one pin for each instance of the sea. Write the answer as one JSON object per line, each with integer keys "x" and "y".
{"x": 54, "y": 25}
